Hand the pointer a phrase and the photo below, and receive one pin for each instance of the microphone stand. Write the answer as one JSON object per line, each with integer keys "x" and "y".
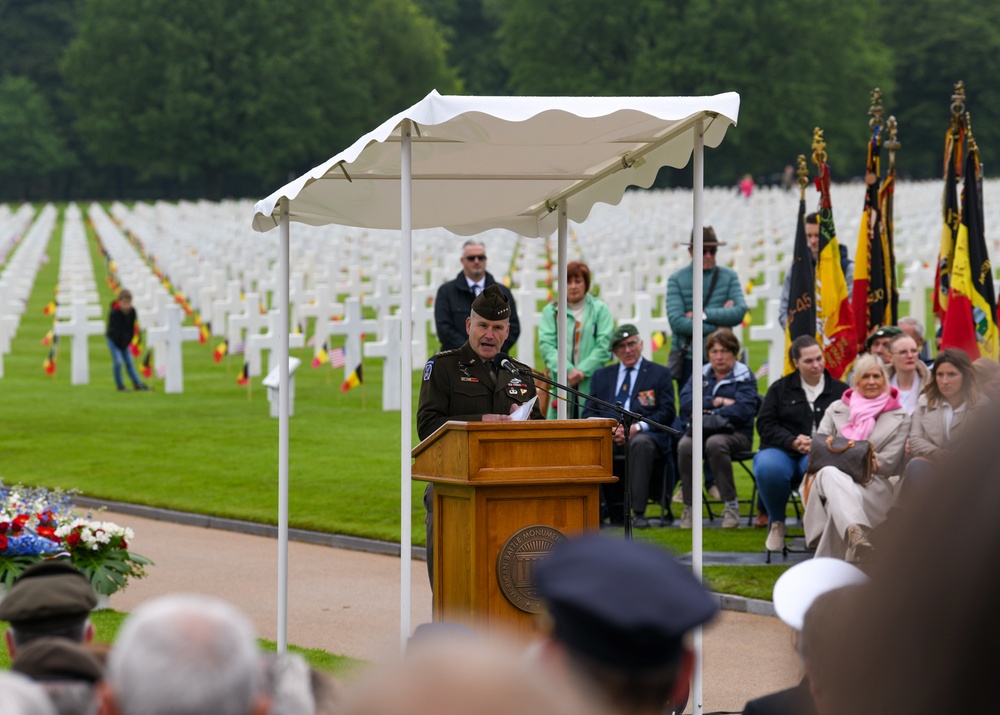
{"x": 626, "y": 418}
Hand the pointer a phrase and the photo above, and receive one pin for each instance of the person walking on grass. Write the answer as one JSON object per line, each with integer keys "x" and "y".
{"x": 121, "y": 328}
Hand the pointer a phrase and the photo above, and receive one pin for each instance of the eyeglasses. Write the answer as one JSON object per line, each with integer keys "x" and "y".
{"x": 628, "y": 344}
{"x": 480, "y": 257}
{"x": 709, "y": 250}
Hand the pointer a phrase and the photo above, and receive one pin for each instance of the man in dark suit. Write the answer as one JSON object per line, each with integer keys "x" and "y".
{"x": 646, "y": 388}
{"x": 454, "y": 300}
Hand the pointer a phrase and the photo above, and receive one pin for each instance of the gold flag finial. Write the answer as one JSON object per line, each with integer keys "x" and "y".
{"x": 818, "y": 147}
{"x": 891, "y": 142}
{"x": 803, "y": 172}
{"x": 958, "y": 100}
{"x": 875, "y": 110}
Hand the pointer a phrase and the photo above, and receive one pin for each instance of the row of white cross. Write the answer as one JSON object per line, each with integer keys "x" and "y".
{"x": 345, "y": 281}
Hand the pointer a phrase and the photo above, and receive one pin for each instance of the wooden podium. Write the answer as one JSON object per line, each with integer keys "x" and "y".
{"x": 504, "y": 494}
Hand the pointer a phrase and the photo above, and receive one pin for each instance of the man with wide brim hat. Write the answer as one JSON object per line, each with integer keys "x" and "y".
{"x": 644, "y": 387}
{"x": 724, "y": 304}
{"x": 470, "y": 384}
{"x": 51, "y": 598}
{"x": 619, "y": 613}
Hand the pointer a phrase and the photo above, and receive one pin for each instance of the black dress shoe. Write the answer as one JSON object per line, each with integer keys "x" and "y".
{"x": 639, "y": 521}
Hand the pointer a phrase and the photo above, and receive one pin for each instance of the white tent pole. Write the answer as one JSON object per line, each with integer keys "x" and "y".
{"x": 406, "y": 380}
{"x": 697, "y": 351}
{"x": 562, "y": 311}
{"x": 282, "y": 358}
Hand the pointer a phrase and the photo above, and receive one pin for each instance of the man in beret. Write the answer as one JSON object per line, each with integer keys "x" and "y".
{"x": 469, "y": 384}
{"x": 878, "y": 342}
{"x": 51, "y": 599}
{"x": 644, "y": 387}
{"x": 724, "y": 305}
{"x": 619, "y": 614}
{"x": 454, "y": 299}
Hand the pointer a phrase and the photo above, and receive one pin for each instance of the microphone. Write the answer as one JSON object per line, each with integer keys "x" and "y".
{"x": 505, "y": 362}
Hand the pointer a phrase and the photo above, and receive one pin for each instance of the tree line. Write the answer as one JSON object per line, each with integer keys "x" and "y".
{"x": 214, "y": 98}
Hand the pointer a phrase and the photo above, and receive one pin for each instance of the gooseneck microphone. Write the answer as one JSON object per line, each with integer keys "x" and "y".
{"x": 503, "y": 359}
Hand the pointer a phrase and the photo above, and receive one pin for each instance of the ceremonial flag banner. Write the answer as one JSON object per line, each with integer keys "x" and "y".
{"x": 970, "y": 322}
{"x": 833, "y": 309}
{"x": 801, "y": 318}
{"x": 353, "y": 380}
{"x": 951, "y": 215}
{"x": 874, "y": 283}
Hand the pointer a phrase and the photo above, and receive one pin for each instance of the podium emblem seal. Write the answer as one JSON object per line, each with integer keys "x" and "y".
{"x": 516, "y": 564}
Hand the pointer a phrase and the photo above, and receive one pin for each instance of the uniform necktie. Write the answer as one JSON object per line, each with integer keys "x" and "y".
{"x": 475, "y": 290}
{"x": 626, "y": 384}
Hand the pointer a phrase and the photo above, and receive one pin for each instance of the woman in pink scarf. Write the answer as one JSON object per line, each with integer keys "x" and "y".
{"x": 840, "y": 513}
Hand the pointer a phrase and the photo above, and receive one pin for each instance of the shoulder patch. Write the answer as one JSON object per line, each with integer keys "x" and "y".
{"x": 427, "y": 370}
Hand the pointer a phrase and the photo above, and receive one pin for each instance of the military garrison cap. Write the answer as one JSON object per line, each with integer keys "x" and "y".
{"x": 620, "y": 603}
{"x": 57, "y": 659}
{"x": 492, "y": 304}
{"x": 49, "y": 596}
{"x": 623, "y": 331}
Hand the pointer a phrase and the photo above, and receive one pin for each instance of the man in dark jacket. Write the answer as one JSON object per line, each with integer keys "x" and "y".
{"x": 122, "y": 321}
{"x": 787, "y": 421}
{"x": 454, "y": 300}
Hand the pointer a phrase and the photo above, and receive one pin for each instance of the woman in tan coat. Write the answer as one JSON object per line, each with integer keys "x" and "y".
{"x": 840, "y": 512}
{"x": 948, "y": 402}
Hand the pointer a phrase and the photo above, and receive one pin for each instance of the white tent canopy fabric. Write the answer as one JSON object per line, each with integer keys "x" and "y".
{"x": 470, "y": 164}
{"x": 502, "y": 162}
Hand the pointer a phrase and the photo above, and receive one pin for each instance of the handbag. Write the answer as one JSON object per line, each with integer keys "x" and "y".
{"x": 854, "y": 457}
{"x": 713, "y": 424}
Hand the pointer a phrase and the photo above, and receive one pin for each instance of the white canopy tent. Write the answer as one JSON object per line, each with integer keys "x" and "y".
{"x": 469, "y": 164}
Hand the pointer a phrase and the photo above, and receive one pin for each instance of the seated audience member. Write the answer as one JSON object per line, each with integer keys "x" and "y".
{"x": 619, "y": 614}
{"x": 729, "y": 393}
{"x": 840, "y": 512}
{"x": 20, "y": 696}
{"x": 950, "y": 400}
{"x": 915, "y": 329}
{"x": 67, "y": 671}
{"x": 644, "y": 387}
{"x": 185, "y": 654}
{"x": 589, "y": 325}
{"x": 878, "y": 342}
{"x": 461, "y": 677}
{"x": 789, "y": 417}
{"x": 795, "y": 591}
{"x": 906, "y": 372}
{"x": 49, "y": 599}
{"x": 988, "y": 375}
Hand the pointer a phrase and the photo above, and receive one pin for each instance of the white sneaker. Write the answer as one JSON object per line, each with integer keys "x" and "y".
{"x": 687, "y": 519}
{"x": 713, "y": 491}
{"x": 730, "y": 517}
{"x": 678, "y": 497}
{"x": 776, "y": 536}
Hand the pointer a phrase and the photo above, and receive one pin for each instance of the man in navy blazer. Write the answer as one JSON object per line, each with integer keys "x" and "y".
{"x": 643, "y": 387}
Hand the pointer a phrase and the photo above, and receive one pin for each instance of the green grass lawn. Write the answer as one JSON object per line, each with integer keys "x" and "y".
{"x": 214, "y": 448}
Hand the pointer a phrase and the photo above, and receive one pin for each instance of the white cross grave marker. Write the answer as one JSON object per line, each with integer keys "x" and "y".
{"x": 79, "y": 329}
{"x": 170, "y": 336}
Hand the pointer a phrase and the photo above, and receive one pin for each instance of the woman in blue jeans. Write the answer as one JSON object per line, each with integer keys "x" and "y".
{"x": 787, "y": 421}
{"x": 121, "y": 327}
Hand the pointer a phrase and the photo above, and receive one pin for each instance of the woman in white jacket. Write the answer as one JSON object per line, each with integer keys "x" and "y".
{"x": 840, "y": 512}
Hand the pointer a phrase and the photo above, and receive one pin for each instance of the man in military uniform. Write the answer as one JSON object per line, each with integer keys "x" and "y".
{"x": 619, "y": 613}
{"x": 49, "y": 599}
{"x": 467, "y": 383}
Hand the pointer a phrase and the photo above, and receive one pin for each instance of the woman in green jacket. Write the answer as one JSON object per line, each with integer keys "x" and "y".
{"x": 589, "y": 326}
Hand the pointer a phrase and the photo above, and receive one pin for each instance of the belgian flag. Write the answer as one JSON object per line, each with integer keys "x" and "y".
{"x": 833, "y": 310}
{"x": 244, "y": 376}
{"x": 220, "y": 350}
{"x": 147, "y": 364}
{"x": 49, "y": 363}
{"x": 802, "y": 289}
{"x": 321, "y": 357}
{"x": 353, "y": 380}
{"x": 970, "y": 323}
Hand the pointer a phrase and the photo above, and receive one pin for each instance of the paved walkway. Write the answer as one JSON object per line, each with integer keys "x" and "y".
{"x": 347, "y": 602}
